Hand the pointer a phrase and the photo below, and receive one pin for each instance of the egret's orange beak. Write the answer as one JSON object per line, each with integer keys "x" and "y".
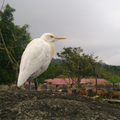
{"x": 59, "y": 38}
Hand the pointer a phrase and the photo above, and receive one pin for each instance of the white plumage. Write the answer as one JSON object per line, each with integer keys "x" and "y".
{"x": 36, "y": 57}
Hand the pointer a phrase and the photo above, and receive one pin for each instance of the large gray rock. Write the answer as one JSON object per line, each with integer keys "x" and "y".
{"x": 36, "y": 105}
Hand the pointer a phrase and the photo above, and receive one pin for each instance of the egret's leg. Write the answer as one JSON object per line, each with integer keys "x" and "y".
{"x": 29, "y": 79}
{"x": 35, "y": 84}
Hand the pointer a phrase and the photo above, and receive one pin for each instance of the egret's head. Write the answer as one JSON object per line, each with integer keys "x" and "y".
{"x": 50, "y": 37}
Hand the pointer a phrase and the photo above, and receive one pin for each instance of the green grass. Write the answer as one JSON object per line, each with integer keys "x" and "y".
{"x": 101, "y": 98}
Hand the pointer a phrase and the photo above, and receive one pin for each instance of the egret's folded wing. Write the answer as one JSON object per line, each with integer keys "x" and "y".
{"x": 36, "y": 57}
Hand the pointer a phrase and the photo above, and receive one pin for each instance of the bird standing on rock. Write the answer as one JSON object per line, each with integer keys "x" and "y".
{"x": 36, "y": 58}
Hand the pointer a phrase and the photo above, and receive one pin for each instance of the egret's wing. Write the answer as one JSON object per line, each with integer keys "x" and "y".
{"x": 36, "y": 57}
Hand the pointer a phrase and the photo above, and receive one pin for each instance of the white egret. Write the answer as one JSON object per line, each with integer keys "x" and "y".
{"x": 36, "y": 58}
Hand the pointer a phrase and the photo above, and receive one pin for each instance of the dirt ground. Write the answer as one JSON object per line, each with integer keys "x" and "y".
{"x": 43, "y": 105}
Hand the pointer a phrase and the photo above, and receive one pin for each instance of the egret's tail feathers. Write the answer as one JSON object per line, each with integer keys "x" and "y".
{"x": 22, "y": 78}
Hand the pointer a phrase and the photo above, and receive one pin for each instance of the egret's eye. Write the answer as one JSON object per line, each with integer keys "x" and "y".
{"x": 52, "y": 36}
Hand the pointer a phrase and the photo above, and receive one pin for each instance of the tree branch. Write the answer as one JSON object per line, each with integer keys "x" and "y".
{"x": 2, "y": 6}
{"x": 8, "y": 54}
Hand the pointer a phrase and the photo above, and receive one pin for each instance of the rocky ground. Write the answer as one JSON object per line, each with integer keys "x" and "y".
{"x": 43, "y": 105}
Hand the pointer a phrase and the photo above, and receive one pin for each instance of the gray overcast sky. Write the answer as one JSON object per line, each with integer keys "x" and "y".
{"x": 93, "y": 25}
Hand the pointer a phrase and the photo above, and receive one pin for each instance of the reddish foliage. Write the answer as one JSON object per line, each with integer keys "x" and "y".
{"x": 69, "y": 91}
{"x": 113, "y": 93}
{"x": 104, "y": 93}
{"x": 82, "y": 92}
{"x": 99, "y": 92}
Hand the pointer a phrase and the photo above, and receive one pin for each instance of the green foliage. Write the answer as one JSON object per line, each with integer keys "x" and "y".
{"x": 48, "y": 74}
{"x": 113, "y": 69}
{"x": 4, "y": 75}
{"x": 75, "y": 63}
{"x": 108, "y": 72}
{"x": 101, "y": 98}
{"x": 16, "y": 38}
{"x": 50, "y": 83}
{"x": 114, "y": 79}
{"x": 102, "y": 72}
{"x": 89, "y": 77}
{"x": 62, "y": 76}
{"x": 58, "y": 69}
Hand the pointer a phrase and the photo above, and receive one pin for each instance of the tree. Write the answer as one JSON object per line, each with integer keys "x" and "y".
{"x": 58, "y": 69}
{"x": 93, "y": 64}
{"x": 75, "y": 63}
{"x": 13, "y": 40}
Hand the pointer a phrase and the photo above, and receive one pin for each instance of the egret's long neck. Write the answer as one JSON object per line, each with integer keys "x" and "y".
{"x": 52, "y": 47}
{"x": 45, "y": 39}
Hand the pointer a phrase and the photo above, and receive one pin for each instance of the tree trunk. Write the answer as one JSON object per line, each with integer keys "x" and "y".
{"x": 79, "y": 79}
{"x": 15, "y": 68}
{"x": 95, "y": 74}
{"x": 96, "y": 84}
